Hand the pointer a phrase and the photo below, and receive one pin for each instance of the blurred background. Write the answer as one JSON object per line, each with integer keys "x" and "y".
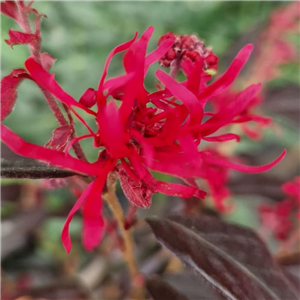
{"x": 80, "y": 35}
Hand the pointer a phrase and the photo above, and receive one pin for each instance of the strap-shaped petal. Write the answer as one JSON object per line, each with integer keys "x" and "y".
{"x": 54, "y": 157}
{"x": 229, "y": 76}
{"x": 47, "y": 81}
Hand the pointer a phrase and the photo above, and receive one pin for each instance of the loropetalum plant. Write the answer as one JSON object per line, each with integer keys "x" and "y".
{"x": 138, "y": 131}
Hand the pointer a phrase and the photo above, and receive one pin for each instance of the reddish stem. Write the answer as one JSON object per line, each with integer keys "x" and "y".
{"x": 35, "y": 50}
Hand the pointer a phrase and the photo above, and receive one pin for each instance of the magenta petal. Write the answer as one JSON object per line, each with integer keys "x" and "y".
{"x": 9, "y": 85}
{"x": 54, "y": 157}
{"x": 223, "y": 138}
{"x": 134, "y": 59}
{"x": 194, "y": 78}
{"x": 242, "y": 168}
{"x": 119, "y": 48}
{"x": 88, "y": 98}
{"x": 182, "y": 94}
{"x": 47, "y": 81}
{"x": 147, "y": 148}
{"x": 229, "y": 76}
{"x": 160, "y": 51}
{"x": 187, "y": 144}
{"x": 185, "y": 166}
{"x": 233, "y": 109}
{"x": 130, "y": 95}
{"x": 112, "y": 131}
{"x": 175, "y": 189}
{"x": 65, "y": 235}
{"x": 118, "y": 82}
{"x": 93, "y": 223}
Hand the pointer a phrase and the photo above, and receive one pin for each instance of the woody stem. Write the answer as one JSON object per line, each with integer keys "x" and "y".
{"x": 115, "y": 207}
{"x": 35, "y": 50}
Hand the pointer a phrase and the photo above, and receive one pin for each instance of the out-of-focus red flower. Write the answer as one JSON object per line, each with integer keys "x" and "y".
{"x": 251, "y": 123}
{"x": 279, "y": 217}
{"x": 158, "y": 131}
{"x": 274, "y": 48}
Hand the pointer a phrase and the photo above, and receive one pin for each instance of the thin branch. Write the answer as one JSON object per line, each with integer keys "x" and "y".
{"x": 30, "y": 168}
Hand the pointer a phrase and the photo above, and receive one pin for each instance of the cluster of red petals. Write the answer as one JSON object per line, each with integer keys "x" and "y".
{"x": 280, "y": 218}
{"x": 251, "y": 123}
{"x": 187, "y": 47}
{"x": 158, "y": 131}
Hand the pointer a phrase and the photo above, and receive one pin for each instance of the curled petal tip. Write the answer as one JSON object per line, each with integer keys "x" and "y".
{"x": 250, "y": 46}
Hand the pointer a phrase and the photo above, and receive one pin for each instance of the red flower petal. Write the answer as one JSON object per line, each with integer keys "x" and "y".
{"x": 223, "y": 138}
{"x": 116, "y": 83}
{"x": 182, "y": 94}
{"x": 93, "y": 223}
{"x": 160, "y": 51}
{"x": 177, "y": 164}
{"x": 116, "y": 50}
{"x": 179, "y": 190}
{"x": 112, "y": 132}
{"x": 233, "y": 109}
{"x": 65, "y": 235}
{"x": 137, "y": 52}
{"x": 9, "y": 93}
{"x": 242, "y": 168}
{"x": 88, "y": 98}
{"x": 194, "y": 78}
{"x": 56, "y": 158}
{"x": 229, "y": 76}
{"x": 134, "y": 61}
{"x": 47, "y": 81}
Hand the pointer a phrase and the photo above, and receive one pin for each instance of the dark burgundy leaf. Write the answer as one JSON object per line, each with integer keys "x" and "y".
{"x": 193, "y": 287}
{"x": 161, "y": 290}
{"x": 9, "y": 93}
{"x": 233, "y": 259}
{"x": 293, "y": 279}
{"x": 60, "y": 137}
{"x": 30, "y": 168}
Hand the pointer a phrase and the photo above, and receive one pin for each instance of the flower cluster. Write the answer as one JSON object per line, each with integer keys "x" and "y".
{"x": 187, "y": 47}
{"x": 139, "y": 131}
{"x": 280, "y": 218}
